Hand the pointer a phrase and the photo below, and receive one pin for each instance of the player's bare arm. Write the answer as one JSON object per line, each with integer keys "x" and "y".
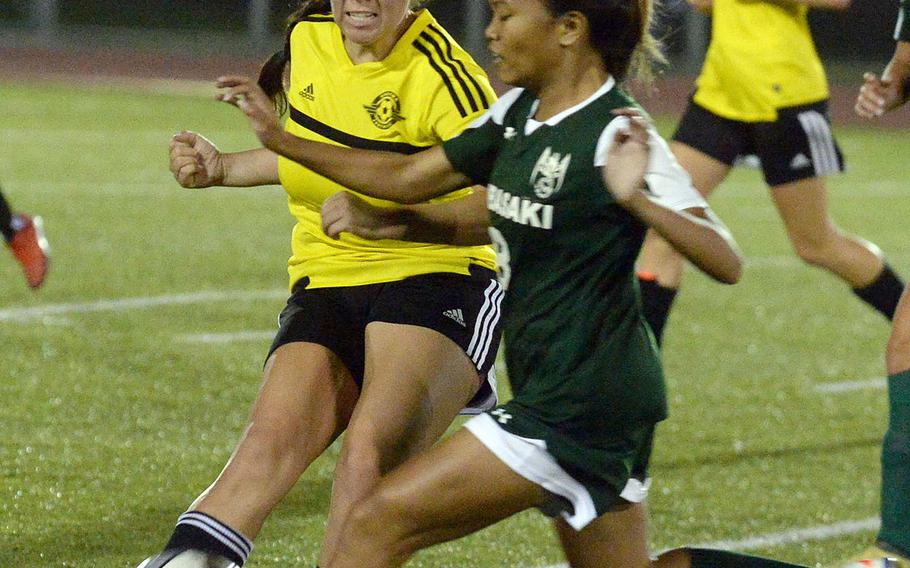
{"x": 460, "y": 222}
{"x": 387, "y": 175}
{"x": 196, "y": 162}
{"x": 879, "y": 95}
{"x": 701, "y": 238}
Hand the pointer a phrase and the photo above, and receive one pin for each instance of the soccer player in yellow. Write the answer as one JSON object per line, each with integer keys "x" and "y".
{"x": 877, "y": 96}
{"x": 387, "y": 340}
{"x": 762, "y": 91}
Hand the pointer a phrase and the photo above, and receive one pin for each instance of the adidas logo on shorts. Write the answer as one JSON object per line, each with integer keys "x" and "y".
{"x": 799, "y": 162}
{"x": 455, "y": 315}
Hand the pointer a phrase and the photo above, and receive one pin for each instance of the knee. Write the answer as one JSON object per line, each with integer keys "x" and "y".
{"x": 382, "y": 520}
{"x": 373, "y": 450}
{"x": 361, "y": 455}
{"x": 816, "y": 250}
{"x": 270, "y": 445}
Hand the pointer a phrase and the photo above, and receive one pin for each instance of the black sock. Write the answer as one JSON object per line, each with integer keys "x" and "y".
{"x": 707, "y": 558}
{"x": 203, "y": 532}
{"x": 6, "y": 219}
{"x": 656, "y": 301}
{"x": 883, "y": 293}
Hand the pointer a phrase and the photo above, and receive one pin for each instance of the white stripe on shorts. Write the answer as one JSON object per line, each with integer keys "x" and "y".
{"x": 529, "y": 458}
{"x": 821, "y": 142}
{"x": 487, "y": 318}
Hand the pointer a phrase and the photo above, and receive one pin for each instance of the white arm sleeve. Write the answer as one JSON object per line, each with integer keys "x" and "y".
{"x": 667, "y": 181}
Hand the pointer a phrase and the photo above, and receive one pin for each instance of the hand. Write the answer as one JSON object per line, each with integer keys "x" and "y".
{"x": 347, "y": 212}
{"x": 876, "y": 96}
{"x": 627, "y": 160}
{"x": 245, "y": 94}
{"x": 194, "y": 161}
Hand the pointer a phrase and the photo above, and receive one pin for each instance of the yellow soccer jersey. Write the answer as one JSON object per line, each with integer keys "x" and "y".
{"x": 761, "y": 58}
{"x": 426, "y": 91}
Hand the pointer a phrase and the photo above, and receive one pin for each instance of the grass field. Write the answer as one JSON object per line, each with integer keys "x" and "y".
{"x": 115, "y": 414}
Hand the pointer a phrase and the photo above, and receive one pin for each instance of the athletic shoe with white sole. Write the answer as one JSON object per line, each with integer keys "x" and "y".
{"x": 30, "y": 248}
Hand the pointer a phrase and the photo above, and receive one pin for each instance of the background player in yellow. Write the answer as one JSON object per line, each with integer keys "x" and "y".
{"x": 762, "y": 91}
{"x": 877, "y": 96}
{"x": 389, "y": 340}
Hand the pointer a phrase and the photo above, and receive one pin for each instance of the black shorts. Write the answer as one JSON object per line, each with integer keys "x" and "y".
{"x": 798, "y": 145}
{"x": 466, "y": 309}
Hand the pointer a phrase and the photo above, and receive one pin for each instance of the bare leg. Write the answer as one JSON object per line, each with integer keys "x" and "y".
{"x": 416, "y": 381}
{"x": 617, "y": 538}
{"x": 803, "y": 206}
{"x": 306, "y": 400}
{"x": 451, "y": 490}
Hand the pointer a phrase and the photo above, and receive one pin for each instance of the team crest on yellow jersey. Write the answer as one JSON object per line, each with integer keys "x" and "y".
{"x": 385, "y": 110}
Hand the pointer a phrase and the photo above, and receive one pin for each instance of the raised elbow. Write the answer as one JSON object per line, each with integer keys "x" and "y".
{"x": 734, "y": 276}
{"x": 732, "y": 270}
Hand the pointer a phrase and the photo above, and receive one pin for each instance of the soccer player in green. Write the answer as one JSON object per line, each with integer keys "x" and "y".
{"x": 572, "y": 184}
{"x": 877, "y": 96}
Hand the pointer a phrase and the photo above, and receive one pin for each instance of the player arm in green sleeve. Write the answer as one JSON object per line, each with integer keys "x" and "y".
{"x": 459, "y": 222}
{"x": 196, "y": 162}
{"x": 397, "y": 177}
{"x": 879, "y": 95}
{"x": 703, "y": 240}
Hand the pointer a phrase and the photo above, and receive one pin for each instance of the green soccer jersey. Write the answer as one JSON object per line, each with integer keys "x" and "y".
{"x": 902, "y": 31}
{"x": 581, "y": 361}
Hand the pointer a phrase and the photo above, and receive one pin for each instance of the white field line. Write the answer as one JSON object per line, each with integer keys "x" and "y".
{"x": 20, "y": 314}
{"x": 820, "y": 532}
{"x": 224, "y": 338}
{"x": 850, "y": 386}
{"x": 770, "y": 540}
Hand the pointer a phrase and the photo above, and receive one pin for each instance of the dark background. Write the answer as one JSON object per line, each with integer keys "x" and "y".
{"x": 862, "y": 34}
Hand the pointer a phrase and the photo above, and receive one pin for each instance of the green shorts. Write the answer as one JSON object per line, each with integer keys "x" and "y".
{"x": 585, "y": 481}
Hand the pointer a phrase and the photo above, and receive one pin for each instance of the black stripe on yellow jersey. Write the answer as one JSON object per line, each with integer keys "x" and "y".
{"x": 347, "y": 139}
{"x": 485, "y": 104}
{"x": 430, "y": 46}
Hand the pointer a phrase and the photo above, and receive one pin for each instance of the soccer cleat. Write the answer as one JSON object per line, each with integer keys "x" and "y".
{"x": 875, "y": 557}
{"x": 186, "y": 558}
{"x": 30, "y": 248}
